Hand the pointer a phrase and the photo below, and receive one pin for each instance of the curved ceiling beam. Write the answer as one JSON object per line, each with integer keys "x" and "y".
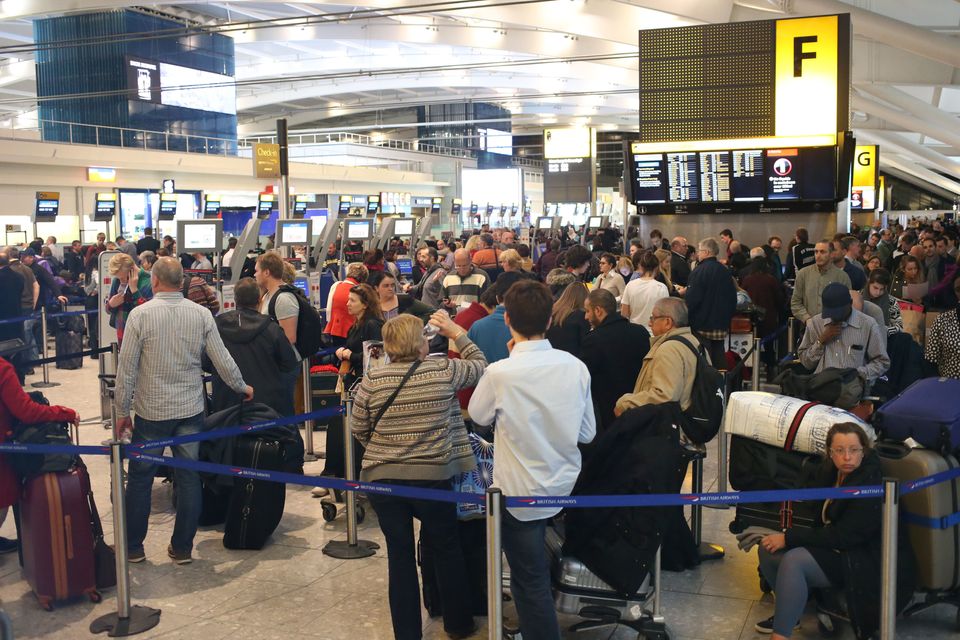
{"x": 921, "y": 173}
{"x": 908, "y": 121}
{"x": 919, "y": 153}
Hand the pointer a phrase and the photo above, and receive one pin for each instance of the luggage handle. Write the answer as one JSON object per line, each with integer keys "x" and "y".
{"x": 893, "y": 450}
{"x": 68, "y": 529}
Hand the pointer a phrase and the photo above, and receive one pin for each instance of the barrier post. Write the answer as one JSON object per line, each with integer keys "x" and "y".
{"x": 755, "y": 369}
{"x": 722, "y": 446}
{"x": 46, "y": 384}
{"x": 888, "y": 584}
{"x": 494, "y": 565}
{"x": 308, "y": 455}
{"x": 706, "y": 550}
{"x": 352, "y": 548}
{"x": 791, "y": 335}
{"x": 127, "y": 620}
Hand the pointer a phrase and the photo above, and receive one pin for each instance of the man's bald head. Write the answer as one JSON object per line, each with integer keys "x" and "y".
{"x": 461, "y": 262}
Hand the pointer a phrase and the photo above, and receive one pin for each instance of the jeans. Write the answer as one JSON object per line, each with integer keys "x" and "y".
{"x": 30, "y": 339}
{"x": 791, "y": 573}
{"x": 441, "y": 539}
{"x": 140, "y": 483}
{"x": 523, "y": 542}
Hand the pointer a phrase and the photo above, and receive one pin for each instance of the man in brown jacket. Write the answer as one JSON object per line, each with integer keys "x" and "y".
{"x": 670, "y": 367}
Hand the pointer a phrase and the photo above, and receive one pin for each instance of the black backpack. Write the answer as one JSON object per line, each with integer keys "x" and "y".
{"x": 27, "y": 465}
{"x": 309, "y": 324}
{"x": 705, "y": 413}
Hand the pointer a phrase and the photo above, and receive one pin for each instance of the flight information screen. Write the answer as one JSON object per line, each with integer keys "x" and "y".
{"x": 683, "y": 177}
{"x": 747, "y": 177}
{"x": 650, "y": 178}
{"x": 715, "y": 176}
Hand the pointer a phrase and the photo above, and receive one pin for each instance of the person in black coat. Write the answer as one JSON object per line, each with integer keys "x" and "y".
{"x": 711, "y": 300}
{"x": 569, "y": 325}
{"x": 843, "y": 551}
{"x": 261, "y": 350}
{"x": 613, "y": 353}
{"x": 679, "y": 267}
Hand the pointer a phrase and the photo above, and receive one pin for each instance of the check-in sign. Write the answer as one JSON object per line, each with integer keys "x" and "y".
{"x": 266, "y": 160}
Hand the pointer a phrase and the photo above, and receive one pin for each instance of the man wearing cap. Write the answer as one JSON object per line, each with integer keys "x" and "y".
{"x": 842, "y": 337}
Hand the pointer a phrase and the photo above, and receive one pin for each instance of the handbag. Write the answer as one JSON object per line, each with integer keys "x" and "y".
{"x": 104, "y": 556}
{"x": 476, "y": 481}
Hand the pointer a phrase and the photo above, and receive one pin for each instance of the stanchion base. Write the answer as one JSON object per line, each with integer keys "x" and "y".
{"x": 710, "y": 551}
{"x": 141, "y": 619}
{"x": 343, "y": 550}
{"x": 309, "y": 457}
{"x": 44, "y": 385}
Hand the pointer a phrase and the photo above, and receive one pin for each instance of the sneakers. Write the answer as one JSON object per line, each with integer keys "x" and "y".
{"x": 8, "y": 546}
{"x": 136, "y": 556}
{"x": 766, "y": 626}
{"x": 320, "y": 492}
{"x": 180, "y": 557}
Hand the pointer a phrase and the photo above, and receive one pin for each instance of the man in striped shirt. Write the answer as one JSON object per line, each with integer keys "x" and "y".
{"x": 159, "y": 373}
{"x": 463, "y": 286}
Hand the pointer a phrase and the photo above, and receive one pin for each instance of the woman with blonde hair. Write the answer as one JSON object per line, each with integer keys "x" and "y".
{"x": 568, "y": 322}
{"x": 664, "y": 257}
{"x": 130, "y": 288}
{"x": 402, "y": 415}
{"x": 473, "y": 245}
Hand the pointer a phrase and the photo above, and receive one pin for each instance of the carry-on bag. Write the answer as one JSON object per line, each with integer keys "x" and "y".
{"x": 68, "y": 338}
{"x": 927, "y": 411}
{"x": 932, "y": 514}
{"x": 473, "y": 543}
{"x": 256, "y": 506}
{"x": 56, "y": 537}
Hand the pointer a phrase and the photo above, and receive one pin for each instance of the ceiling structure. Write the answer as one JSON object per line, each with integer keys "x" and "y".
{"x": 550, "y": 62}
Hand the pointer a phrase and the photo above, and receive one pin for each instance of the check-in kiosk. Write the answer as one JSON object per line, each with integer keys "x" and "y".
{"x": 167, "y": 211}
{"x": 598, "y": 222}
{"x": 245, "y": 244}
{"x": 203, "y": 236}
{"x": 394, "y": 228}
{"x": 423, "y": 231}
{"x": 211, "y": 206}
{"x": 297, "y": 233}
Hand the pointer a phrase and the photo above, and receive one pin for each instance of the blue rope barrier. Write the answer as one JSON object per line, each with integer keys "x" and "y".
{"x": 67, "y": 314}
{"x": 16, "y": 447}
{"x": 20, "y": 318}
{"x": 773, "y": 335}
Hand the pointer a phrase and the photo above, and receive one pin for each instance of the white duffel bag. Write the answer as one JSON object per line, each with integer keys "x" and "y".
{"x": 784, "y": 421}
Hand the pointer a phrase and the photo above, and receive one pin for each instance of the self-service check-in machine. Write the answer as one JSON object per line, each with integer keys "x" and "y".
{"x": 423, "y": 231}
{"x": 297, "y": 233}
{"x": 326, "y": 236}
{"x": 595, "y": 223}
{"x": 395, "y": 228}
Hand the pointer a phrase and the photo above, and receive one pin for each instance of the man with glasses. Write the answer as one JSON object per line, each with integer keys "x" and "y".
{"x": 812, "y": 280}
{"x": 841, "y": 337}
{"x": 711, "y": 300}
{"x": 670, "y": 367}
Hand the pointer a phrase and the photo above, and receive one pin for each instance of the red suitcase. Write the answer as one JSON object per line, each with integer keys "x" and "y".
{"x": 56, "y": 537}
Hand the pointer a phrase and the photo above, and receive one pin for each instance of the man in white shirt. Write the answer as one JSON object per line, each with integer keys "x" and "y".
{"x": 540, "y": 399}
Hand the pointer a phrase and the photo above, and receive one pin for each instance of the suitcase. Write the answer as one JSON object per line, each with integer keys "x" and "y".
{"x": 936, "y": 547}
{"x": 473, "y": 542}
{"x": 256, "y": 506}
{"x": 778, "y": 516}
{"x": 56, "y": 537}
{"x": 69, "y": 339}
{"x": 926, "y": 411}
{"x": 323, "y": 386}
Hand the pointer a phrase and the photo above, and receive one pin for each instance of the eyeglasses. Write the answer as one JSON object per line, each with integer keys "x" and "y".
{"x": 853, "y": 452}
{"x": 653, "y": 317}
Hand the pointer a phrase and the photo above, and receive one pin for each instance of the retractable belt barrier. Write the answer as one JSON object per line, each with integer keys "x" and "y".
{"x": 66, "y": 356}
{"x": 32, "y": 316}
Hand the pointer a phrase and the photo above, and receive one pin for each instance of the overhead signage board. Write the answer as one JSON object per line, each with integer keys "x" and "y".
{"x": 569, "y": 142}
{"x": 161, "y": 83}
{"x": 266, "y": 160}
{"x": 863, "y": 191}
{"x": 101, "y": 174}
{"x": 569, "y": 170}
{"x": 745, "y": 85}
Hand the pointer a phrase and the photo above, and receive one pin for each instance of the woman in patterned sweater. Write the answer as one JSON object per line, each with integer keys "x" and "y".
{"x": 419, "y": 440}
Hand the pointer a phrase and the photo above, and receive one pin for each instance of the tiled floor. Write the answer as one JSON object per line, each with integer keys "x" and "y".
{"x": 290, "y": 590}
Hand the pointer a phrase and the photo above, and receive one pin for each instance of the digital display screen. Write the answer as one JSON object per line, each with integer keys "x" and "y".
{"x": 168, "y": 207}
{"x": 545, "y": 222}
{"x": 783, "y": 174}
{"x": 303, "y": 285}
{"x": 344, "y": 207}
{"x": 715, "y": 176}
{"x": 456, "y": 208}
{"x": 264, "y": 206}
{"x": 594, "y": 222}
{"x": 358, "y": 229}
{"x": 403, "y": 226}
{"x": 405, "y": 265}
{"x": 211, "y": 208}
{"x": 173, "y": 85}
{"x": 474, "y": 209}
{"x": 435, "y": 205}
{"x": 373, "y": 204}
{"x": 106, "y": 206}
{"x": 683, "y": 177}
{"x": 819, "y": 173}
{"x": 199, "y": 237}
{"x": 299, "y": 206}
{"x": 568, "y": 180}
{"x": 649, "y": 178}
{"x": 48, "y": 208}
{"x": 295, "y": 232}
{"x": 489, "y": 210}
{"x": 747, "y": 178}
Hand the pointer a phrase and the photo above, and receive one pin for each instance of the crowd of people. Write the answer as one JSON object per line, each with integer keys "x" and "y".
{"x": 548, "y": 347}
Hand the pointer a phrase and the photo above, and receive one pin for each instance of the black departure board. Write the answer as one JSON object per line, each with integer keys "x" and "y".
{"x": 683, "y": 177}
{"x": 568, "y": 180}
{"x": 783, "y": 174}
{"x": 649, "y": 186}
{"x": 707, "y": 82}
{"x": 747, "y": 176}
{"x": 715, "y": 176}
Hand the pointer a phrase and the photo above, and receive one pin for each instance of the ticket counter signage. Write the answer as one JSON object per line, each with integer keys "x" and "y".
{"x": 105, "y": 207}
{"x": 266, "y": 203}
{"x": 266, "y": 160}
{"x": 863, "y": 191}
{"x": 48, "y": 206}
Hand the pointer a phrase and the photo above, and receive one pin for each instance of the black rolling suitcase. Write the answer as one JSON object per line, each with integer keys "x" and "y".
{"x": 256, "y": 506}
{"x": 473, "y": 542}
{"x": 69, "y": 339}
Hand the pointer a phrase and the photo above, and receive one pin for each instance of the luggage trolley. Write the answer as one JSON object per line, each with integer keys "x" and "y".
{"x": 334, "y": 503}
{"x": 580, "y": 592}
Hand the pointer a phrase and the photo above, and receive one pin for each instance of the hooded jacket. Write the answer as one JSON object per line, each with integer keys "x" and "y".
{"x": 262, "y": 351}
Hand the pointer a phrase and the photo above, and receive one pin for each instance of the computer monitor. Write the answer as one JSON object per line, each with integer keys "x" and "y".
{"x": 302, "y": 284}
{"x": 105, "y": 207}
{"x": 211, "y": 206}
{"x": 265, "y": 205}
{"x": 168, "y": 206}
{"x": 199, "y": 236}
{"x": 359, "y": 229}
{"x": 294, "y": 233}
{"x": 594, "y": 222}
{"x": 545, "y": 223}
{"x": 48, "y": 206}
{"x": 403, "y": 227}
{"x": 405, "y": 265}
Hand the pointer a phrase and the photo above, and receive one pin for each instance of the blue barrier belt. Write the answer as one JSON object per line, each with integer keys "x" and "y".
{"x": 944, "y": 522}
{"x": 20, "y": 319}
{"x": 66, "y": 356}
{"x": 16, "y": 447}
{"x": 326, "y": 352}
{"x": 238, "y": 430}
{"x": 773, "y": 335}
{"x": 928, "y": 481}
{"x": 309, "y": 481}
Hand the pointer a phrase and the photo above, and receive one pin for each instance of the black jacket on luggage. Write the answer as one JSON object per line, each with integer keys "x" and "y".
{"x": 262, "y": 352}
{"x": 613, "y": 353}
{"x": 639, "y": 453}
{"x": 711, "y": 297}
{"x": 854, "y": 530}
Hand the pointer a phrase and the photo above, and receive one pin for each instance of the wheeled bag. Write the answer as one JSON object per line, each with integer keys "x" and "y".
{"x": 927, "y": 411}
{"x": 932, "y": 514}
{"x": 473, "y": 543}
{"x": 256, "y": 506}
{"x": 68, "y": 338}
{"x": 56, "y": 537}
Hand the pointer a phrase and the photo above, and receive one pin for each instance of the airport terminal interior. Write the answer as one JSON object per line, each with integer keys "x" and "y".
{"x": 457, "y": 149}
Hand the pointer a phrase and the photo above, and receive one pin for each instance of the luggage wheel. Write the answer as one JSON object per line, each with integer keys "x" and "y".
{"x": 45, "y": 603}
{"x": 329, "y": 511}
{"x": 95, "y": 596}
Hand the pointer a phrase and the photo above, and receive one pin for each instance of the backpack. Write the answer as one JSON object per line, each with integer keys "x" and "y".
{"x": 27, "y": 465}
{"x": 309, "y": 324}
{"x": 705, "y": 413}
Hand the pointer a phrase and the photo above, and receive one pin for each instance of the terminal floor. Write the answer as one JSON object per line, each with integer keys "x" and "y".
{"x": 290, "y": 590}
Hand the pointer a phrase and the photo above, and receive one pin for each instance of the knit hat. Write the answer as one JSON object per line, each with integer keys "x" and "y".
{"x": 560, "y": 278}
